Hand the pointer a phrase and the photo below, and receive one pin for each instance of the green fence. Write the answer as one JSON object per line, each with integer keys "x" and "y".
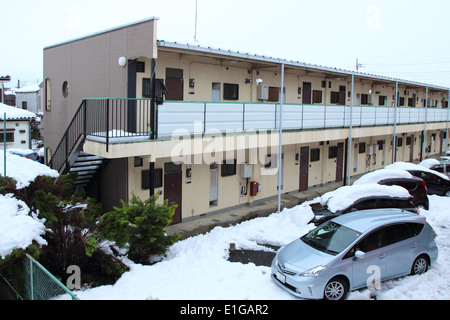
{"x": 40, "y": 284}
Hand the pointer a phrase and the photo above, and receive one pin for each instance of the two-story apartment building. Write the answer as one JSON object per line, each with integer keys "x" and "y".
{"x": 201, "y": 125}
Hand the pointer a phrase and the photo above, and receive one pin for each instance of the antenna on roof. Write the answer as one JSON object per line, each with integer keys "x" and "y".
{"x": 195, "y": 32}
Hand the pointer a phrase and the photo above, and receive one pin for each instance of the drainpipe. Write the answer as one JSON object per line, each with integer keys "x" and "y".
{"x": 280, "y": 137}
{"x": 446, "y": 132}
{"x": 394, "y": 142}
{"x": 425, "y": 126}
{"x": 153, "y": 123}
{"x": 350, "y": 148}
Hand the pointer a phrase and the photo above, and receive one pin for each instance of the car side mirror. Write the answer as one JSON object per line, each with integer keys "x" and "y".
{"x": 359, "y": 254}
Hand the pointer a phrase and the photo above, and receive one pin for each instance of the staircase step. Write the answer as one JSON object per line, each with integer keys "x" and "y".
{"x": 79, "y": 163}
{"x": 76, "y": 169}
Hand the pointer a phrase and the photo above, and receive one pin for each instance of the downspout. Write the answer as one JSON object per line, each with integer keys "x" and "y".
{"x": 280, "y": 138}
{"x": 425, "y": 126}
{"x": 349, "y": 148}
{"x": 394, "y": 142}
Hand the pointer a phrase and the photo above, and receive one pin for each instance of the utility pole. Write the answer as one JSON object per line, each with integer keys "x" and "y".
{"x": 358, "y": 65}
{"x": 195, "y": 32}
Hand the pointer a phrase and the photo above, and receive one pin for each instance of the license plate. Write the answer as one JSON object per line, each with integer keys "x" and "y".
{"x": 281, "y": 277}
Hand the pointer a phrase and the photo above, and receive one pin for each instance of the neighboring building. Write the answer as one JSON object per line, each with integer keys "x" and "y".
{"x": 18, "y": 127}
{"x": 213, "y": 143}
{"x": 3, "y": 79}
{"x": 29, "y": 98}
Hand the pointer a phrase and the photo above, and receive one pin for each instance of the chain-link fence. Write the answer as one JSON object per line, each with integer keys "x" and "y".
{"x": 40, "y": 284}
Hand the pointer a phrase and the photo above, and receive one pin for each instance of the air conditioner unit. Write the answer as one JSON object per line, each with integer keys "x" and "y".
{"x": 371, "y": 99}
{"x": 262, "y": 92}
{"x": 369, "y": 150}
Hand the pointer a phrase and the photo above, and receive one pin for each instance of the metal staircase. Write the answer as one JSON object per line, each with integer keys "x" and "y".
{"x": 87, "y": 166}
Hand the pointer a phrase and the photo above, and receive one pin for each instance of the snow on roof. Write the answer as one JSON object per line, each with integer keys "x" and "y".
{"x": 412, "y": 166}
{"x": 13, "y": 113}
{"x": 429, "y": 163}
{"x": 345, "y": 196}
{"x": 27, "y": 89}
{"x": 382, "y": 174}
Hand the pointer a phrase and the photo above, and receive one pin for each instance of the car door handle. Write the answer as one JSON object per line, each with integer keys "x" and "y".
{"x": 414, "y": 245}
{"x": 381, "y": 256}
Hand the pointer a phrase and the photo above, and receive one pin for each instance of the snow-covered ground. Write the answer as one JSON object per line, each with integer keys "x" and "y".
{"x": 197, "y": 268}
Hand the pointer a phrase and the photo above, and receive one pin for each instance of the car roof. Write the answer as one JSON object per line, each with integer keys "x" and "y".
{"x": 364, "y": 220}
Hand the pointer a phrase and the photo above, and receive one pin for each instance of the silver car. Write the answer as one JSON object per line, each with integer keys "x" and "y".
{"x": 355, "y": 250}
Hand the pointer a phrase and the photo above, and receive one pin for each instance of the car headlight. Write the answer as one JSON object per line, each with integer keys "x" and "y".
{"x": 314, "y": 272}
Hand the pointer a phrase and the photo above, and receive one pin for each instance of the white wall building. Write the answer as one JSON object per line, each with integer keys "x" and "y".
{"x": 18, "y": 128}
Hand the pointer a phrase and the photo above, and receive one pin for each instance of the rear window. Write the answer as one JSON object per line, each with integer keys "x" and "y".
{"x": 416, "y": 228}
{"x": 408, "y": 185}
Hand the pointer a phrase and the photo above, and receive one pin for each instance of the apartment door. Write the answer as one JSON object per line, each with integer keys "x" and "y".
{"x": 342, "y": 93}
{"x": 304, "y": 168}
{"x": 215, "y": 93}
{"x": 213, "y": 184}
{"x": 174, "y": 84}
{"x": 411, "y": 148}
{"x": 306, "y": 95}
{"x": 339, "y": 161}
{"x": 172, "y": 188}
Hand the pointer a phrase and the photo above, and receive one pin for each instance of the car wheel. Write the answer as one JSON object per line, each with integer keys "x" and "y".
{"x": 420, "y": 265}
{"x": 336, "y": 289}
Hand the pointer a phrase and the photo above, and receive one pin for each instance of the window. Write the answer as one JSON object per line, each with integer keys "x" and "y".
{"x": 9, "y": 137}
{"x": 396, "y": 233}
{"x": 411, "y": 102}
{"x": 315, "y": 155}
{"x": 332, "y": 153}
{"x": 24, "y": 105}
{"x": 365, "y": 204}
{"x": 364, "y": 98}
{"x": 415, "y": 228}
{"x": 382, "y": 100}
{"x": 228, "y": 168}
{"x": 157, "y": 179}
{"x": 380, "y": 144}
{"x": 65, "y": 89}
{"x": 334, "y": 97}
{"x": 230, "y": 91}
{"x": 362, "y": 147}
{"x": 146, "y": 88}
{"x": 140, "y": 66}
{"x": 370, "y": 243}
{"x": 399, "y": 142}
{"x": 317, "y": 96}
{"x": 138, "y": 161}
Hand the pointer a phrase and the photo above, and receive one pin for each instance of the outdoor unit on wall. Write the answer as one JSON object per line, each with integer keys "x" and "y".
{"x": 369, "y": 150}
{"x": 262, "y": 92}
{"x": 371, "y": 99}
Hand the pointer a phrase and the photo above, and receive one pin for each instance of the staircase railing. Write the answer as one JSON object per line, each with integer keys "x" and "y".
{"x": 105, "y": 118}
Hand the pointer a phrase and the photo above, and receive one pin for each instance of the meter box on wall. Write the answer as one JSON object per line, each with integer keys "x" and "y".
{"x": 246, "y": 170}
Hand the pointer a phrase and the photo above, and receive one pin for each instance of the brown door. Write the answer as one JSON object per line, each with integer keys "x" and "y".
{"x": 306, "y": 95}
{"x": 172, "y": 188}
{"x": 174, "y": 84}
{"x": 304, "y": 168}
{"x": 339, "y": 161}
{"x": 342, "y": 95}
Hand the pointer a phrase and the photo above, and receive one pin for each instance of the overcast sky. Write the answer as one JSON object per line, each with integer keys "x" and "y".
{"x": 406, "y": 39}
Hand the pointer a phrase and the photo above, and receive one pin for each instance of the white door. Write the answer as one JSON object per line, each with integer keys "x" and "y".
{"x": 215, "y": 95}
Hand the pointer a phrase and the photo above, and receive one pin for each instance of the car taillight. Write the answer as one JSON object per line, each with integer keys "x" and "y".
{"x": 433, "y": 233}
{"x": 424, "y": 185}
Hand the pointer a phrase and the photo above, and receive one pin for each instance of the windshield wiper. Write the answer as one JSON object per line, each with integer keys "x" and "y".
{"x": 313, "y": 244}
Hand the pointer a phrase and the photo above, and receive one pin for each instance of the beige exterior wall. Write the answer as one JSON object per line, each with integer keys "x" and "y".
{"x": 90, "y": 67}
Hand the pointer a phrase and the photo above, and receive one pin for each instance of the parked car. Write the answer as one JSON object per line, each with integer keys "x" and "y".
{"x": 443, "y": 167}
{"x": 399, "y": 177}
{"x": 436, "y": 182}
{"x": 27, "y": 153}
{"x": 416, "y": 188}
{"x": 334, "y": 258}
{"x": 360, "y": 197}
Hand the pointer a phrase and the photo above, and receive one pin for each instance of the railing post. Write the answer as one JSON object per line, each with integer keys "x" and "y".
{"x": 107, "y": 125}
{"x": 84, "y": 118}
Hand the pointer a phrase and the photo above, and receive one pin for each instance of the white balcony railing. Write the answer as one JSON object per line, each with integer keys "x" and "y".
{"x": 203, "y": 117}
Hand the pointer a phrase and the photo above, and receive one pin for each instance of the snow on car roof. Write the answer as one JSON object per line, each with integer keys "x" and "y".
{"x": 412, "y": 166}
{"x": 429, "y": 163}
{"x": 382, "y": 174}
{"x": 345, "y": 196}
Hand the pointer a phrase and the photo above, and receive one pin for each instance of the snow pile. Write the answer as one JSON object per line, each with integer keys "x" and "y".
{"x": 381, "y": 174}
{"x": 345, "y": 196}
{"x": 18, "y": 229}
{"x": 24, "y": 170}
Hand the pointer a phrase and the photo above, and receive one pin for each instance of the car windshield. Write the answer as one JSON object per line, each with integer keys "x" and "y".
{"x": 330, "y": 237}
